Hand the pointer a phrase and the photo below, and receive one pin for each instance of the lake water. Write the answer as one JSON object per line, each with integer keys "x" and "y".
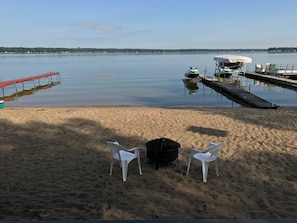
{"x": 133, "y": 80}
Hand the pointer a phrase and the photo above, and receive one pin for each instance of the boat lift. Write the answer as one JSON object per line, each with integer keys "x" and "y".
{"x": 226, "y": 65}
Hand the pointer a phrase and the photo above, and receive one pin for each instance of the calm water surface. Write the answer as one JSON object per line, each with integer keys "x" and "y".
{"x": 132, "y": 80}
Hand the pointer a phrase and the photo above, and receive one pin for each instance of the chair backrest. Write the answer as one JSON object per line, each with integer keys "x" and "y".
{"x": 213, "y": 149}
{"x": 115, "y": 148}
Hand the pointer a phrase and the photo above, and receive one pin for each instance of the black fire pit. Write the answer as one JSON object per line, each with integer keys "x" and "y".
{"x": 162, "y": 150}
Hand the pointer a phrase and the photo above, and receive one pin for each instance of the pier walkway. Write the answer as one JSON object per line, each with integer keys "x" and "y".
{"x": 280, "y": 81}
{"x": 15, "y": 82}
{"x": 237, "y": 94}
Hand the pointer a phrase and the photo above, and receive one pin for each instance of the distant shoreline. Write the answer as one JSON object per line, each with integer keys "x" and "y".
{"x": 53, "y": 50}
{"x": 26, "y": 50}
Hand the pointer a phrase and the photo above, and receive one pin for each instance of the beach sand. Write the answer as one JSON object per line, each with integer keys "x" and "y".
{"x": 54, "y": 164}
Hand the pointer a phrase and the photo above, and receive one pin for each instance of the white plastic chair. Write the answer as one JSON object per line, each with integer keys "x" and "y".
{"x": 125, "y": 156}
{"x": 207, "y": 156}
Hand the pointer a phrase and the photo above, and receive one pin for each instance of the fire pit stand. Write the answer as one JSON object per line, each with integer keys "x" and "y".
{"x": 162, "y": 150}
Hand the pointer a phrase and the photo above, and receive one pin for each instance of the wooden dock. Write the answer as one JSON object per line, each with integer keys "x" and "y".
{"x": 280, "y": 81}
{"x": 237, "y": 94}
{"x": 15, "y": 82}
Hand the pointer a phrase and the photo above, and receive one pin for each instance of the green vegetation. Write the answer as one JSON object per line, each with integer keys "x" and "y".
{"x": 282, "y": 50}
{"x": 43, "y": 50}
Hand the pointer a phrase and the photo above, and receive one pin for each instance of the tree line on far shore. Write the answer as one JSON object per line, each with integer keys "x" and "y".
{"x": 282, "y": 50}
{"x": 43, "y": 50}
{"x": 36, "y": 50}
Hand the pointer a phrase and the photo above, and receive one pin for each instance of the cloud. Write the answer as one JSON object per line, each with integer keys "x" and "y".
{"x": 97, "y": 26}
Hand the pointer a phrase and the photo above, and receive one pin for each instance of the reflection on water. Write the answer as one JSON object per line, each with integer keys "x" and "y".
{"x": 27, "y": 92}
{"x": 234, "y": 81}
{"x": 191, "y": 85}
{"x": 128, "y": 80}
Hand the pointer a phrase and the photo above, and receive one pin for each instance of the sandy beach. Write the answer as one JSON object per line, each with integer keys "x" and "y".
{"x": 54, "y": 164}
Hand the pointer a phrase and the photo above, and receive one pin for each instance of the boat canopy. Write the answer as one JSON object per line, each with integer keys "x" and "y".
{"x": 232, "y": 59}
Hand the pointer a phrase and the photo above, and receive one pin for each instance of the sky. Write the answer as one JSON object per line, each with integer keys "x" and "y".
{"x": 149, "y": 24}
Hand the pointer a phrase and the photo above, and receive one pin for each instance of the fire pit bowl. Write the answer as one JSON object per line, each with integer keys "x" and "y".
{"x": 162, "y": 150}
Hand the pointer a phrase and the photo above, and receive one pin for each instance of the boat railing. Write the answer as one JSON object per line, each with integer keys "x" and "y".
{"x": 276, "y": 68}
{"x": 286, "y": 67}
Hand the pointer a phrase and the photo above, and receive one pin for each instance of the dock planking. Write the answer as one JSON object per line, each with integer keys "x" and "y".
{"x": 15, "y": 82}
{"x": 277, "y": 80}
{"x": 237, "y": 94}
{"x": 4, "y": 84}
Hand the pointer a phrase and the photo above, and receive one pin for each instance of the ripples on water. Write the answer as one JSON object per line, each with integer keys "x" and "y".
{"x": 133, "y": 80}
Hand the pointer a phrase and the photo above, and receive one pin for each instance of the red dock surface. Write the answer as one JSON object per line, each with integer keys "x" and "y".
{"x": 4, "y": 84}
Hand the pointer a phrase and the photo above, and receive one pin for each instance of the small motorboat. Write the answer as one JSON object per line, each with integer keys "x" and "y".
{"x": 224, "y": 72}
{"x": 192, "y": 72}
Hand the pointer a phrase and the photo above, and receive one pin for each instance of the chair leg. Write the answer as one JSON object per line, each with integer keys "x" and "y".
{"x": 204, "y": 170}
{"x": 124, "y": 170}
{"x": 139, "y": 165}
{"x": 217, "y": 169}
{"x": 189, "y": 164}
{"x": 111, "y": 166}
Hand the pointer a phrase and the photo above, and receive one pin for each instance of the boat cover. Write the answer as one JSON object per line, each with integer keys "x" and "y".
{"x": 232, "y": 59}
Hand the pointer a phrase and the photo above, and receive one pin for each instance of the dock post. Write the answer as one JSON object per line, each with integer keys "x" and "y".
{"x": 232, "y": 97}
{"x": 16, "y": 89}
{"x": 34, "y": 83}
